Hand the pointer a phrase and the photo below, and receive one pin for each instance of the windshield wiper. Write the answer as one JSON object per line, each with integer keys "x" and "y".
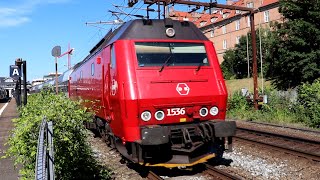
{"x": 165, "y": 62}
{"x": 199, "y": 66}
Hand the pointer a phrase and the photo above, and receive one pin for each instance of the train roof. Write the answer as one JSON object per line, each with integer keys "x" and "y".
{"x": 65, "y": 76}
{"x": 148, "y": 29}
{"x": 156, "y": 29}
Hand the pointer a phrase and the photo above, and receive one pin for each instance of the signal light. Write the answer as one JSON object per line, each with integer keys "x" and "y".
{"x": 146, "y": 116}
{"x": 214, "y": 110}
{"x": 203, "y": 111}
{"x": 170, "y": 32}
{"x": 159, "y": 115}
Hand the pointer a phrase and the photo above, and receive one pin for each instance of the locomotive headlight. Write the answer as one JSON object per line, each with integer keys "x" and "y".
{"x": 214, "y": 110}
{"x": 159, "y": 115}
{"x": 203, "y": 112}
{"x": 170, "y": 32}
{"x": 146, "y": 115}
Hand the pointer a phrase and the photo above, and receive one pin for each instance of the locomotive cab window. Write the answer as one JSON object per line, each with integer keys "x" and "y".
{"x": 171, "y": 54}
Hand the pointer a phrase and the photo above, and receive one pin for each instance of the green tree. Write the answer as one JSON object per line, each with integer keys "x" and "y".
{"x": 73, "y": 158}
{"x": 297, "y": 59}
{"x": 235, "y": 62}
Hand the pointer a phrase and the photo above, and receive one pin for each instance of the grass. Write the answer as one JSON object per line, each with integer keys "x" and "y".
{"x": 237, "y": 84}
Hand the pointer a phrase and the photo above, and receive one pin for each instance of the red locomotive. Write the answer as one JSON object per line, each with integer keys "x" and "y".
{"x": 158, "y": 93}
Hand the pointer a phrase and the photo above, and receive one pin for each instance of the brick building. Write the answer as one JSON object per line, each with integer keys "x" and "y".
{"x": 225, "y": 27}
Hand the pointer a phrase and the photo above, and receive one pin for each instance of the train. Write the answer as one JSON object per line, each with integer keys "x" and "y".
{"x": 157, "y": 92}
{"x": 3, "y": 94}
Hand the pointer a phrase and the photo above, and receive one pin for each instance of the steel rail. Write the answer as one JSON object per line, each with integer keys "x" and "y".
{"x": 304, "y": 140}
{"x": 219, "y": 174}
{"x": 259, "y": 135}
{"x": 153, "y": 176}
{"x": 287, "y": 127}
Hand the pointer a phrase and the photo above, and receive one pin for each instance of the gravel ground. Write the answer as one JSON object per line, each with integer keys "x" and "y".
{"x": 248, "y": 161}
{"x": 253, "y": 162}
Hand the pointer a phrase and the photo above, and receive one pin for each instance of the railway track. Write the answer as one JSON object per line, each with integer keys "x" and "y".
{"x": 212, "y": 171}
{"x": 306, "y": 148}
{"x": 286, "y": 127}
{"x": 153, "y": 176}
{"x": 219, "y": 174}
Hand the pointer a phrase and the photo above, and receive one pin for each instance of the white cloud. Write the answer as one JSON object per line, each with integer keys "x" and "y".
{"x": 19, "y": 15}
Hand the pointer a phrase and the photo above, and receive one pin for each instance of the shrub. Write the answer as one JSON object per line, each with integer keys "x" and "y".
{"x": 73, "y": 155}
{"x": 238, "y": 107}
{"x": 308, "y": 104}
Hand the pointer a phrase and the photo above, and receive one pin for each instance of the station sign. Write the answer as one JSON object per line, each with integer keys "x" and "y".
{"x": 15, "y": 72}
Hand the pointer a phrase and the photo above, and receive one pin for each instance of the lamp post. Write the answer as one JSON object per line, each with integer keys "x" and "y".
{"x": 56, "y": 52}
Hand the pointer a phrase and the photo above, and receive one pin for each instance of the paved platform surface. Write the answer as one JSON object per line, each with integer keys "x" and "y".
{"x": 7, "y": 170}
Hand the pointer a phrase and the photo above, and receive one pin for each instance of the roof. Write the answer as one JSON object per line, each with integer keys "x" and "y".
{"x": 205, "y": 19}
{"x": 148, "y": 29}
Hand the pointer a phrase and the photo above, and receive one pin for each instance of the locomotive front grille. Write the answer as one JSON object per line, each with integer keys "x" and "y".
{"x": 188, "y": 138}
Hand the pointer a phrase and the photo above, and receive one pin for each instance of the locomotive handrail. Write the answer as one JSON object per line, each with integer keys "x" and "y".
{"x": 45, "y": 153}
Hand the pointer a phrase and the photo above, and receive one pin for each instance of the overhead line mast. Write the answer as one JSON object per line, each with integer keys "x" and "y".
{"x": 209, "y": 5}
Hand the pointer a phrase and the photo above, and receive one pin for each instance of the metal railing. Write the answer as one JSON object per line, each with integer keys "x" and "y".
{"x": 45, "y": 153}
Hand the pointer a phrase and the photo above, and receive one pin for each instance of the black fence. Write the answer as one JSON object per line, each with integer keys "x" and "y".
{"x": 45, "y": 152}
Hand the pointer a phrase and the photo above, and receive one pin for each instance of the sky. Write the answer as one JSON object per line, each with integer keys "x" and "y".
{"x": 29, "y": 29}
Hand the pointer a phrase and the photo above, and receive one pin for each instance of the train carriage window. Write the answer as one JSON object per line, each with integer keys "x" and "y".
{"x": 172, "y": 54}
{"x": 81, "y": 74}
{"x": 92, "y": 69}
{"x": 113, "y": 58}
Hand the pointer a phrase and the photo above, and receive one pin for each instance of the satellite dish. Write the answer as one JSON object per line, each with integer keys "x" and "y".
{"x": 56, "y": 51}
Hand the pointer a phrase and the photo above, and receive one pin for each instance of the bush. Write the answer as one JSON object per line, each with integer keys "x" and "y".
{"x": 238, "y": 107}
{"x": 73, "y": 155}
{"x": 278, "y": 109}
{"x": 308, "y": 104}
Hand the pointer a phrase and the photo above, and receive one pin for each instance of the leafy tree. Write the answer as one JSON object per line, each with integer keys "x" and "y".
{"x": 235, "y": 62}
{"x": 308, "y": 104}
{"x": 297, "y": 58}
{"x": 73, "y": 158}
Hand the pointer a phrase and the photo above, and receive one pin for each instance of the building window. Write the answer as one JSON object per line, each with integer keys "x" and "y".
{"x": 237, "y": 24}
{"x": 224, "y": 45}
{"x": 266, "y": 16}
{"x": 225, "y": 15}
{"x": 238, "y": 11}
{"x": 224, "y": 29}
{"x": 81, "y": 74}
{"x": 186, "y": 19}
{"x": 250, "y": 5}
{"x": 237, "y": 39}
{"x": 248, "y": 20}
{"x": 213, "y": 19}
{"x": 212, "y": 33}
{"x": 92, "y": 69}
{"x": 202, "y": 23}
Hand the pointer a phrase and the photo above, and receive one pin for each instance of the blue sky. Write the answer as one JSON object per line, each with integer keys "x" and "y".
{"x": 29, "y": 29}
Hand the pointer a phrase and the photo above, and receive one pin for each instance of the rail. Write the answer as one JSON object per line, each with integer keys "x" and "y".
{"x": 153, "y": 176}
{"x": 45, "y": 152}
{"x": 309, "y": 149}
{"x": 220, "y": 174}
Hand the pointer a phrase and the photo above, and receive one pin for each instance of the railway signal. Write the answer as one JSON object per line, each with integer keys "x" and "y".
{"x": 56, "y": 52}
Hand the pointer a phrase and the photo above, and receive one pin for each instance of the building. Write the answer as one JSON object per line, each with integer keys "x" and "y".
{"x": 50, "y": 76}
{"x": 37, "y": 82}
{"x": 8, "y": 84}
{"x": 225, "y": 27}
